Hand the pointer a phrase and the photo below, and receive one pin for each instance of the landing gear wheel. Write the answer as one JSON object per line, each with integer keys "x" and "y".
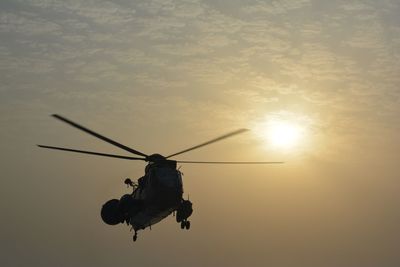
{"x": 183, "y": 224}
{"x": 134, "y": 237}
{"x": 187, "y": 225}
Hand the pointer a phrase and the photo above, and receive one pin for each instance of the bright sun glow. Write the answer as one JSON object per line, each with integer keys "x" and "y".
{"x": 284, "y": 131}
{"x": 283, "y": 134}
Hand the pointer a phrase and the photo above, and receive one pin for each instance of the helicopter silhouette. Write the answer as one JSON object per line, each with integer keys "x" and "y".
{"x": 155, "y": 195}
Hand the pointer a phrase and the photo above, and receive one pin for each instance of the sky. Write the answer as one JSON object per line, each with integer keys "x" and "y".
{"x": 163, "y": 75}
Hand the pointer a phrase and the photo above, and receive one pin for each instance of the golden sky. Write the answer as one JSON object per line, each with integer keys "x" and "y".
{"x": 163, "y": 75}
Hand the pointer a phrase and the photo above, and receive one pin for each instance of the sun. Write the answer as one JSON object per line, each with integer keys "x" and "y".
{"x": 283, "y": 131}
{"x": 283, "y": 134}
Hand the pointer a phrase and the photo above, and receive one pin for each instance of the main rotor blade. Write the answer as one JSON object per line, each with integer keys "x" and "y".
{"x": 108, "y": 140}
{"x": 210, "y": 142}
{"x": 91, "y": 153}
{"x": 231, "y": 162}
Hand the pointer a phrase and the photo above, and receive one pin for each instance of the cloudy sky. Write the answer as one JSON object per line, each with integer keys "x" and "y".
{"x": 162, "y": 75}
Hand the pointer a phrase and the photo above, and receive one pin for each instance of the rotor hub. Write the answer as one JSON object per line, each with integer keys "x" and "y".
{"x": 155, "y": 158}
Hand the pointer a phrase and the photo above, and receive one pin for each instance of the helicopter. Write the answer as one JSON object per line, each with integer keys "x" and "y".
{"x": 157, "y": 194}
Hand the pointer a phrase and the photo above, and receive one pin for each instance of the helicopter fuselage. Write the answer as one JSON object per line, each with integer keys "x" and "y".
{"x": 155, "y": 196}
{"x": 159, "y": 193}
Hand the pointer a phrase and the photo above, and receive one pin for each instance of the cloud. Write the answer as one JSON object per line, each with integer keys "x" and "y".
{"x": 342, "y": 56}
{"x": 275, "y": 7}
{"x": 99, "y": 12}
{"x": 27, "y": 24}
